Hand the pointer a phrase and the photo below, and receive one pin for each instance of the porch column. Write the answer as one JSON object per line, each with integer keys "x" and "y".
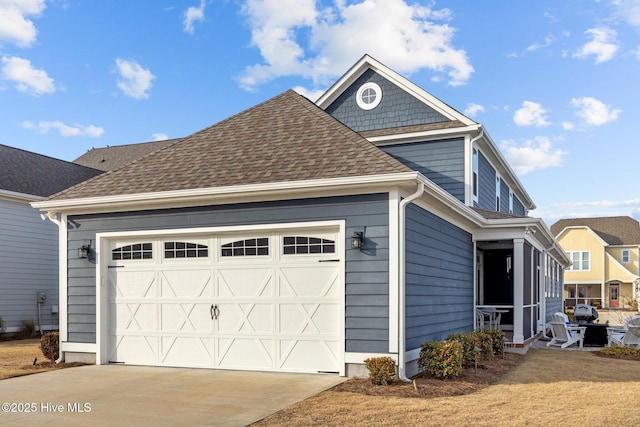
{"x": 518, "y": 290}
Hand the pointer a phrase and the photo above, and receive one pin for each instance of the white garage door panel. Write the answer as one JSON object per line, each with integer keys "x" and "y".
{"x": 273, "y": 312}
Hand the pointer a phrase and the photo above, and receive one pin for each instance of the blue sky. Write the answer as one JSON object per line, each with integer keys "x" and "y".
{"x": 555, "y": 83}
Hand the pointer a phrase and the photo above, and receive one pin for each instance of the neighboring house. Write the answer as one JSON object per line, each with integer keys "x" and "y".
{"x": 306, "y": 237}
{"x": 110, "y": 158}
{"x": 605, "y": 255}
{"x": 28, "y": 245}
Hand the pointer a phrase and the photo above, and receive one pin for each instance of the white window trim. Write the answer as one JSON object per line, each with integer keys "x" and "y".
{"x": 375, "y": 103}
{"x": 626, "y": 253}
{"x": 570, "y": 254}
{"x": 475, "y": 183}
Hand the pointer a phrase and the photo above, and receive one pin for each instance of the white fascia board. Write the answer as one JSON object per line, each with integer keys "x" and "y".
{"x": 229, "y": 194}
{"x": 423, "y": 136}
{"x": 367, "y": 62}
{"x": 12, "y": 196}
{"x": 505, "y": 169}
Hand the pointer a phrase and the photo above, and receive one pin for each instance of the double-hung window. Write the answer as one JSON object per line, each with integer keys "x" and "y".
{"x": 626, "y": 256}
{"x": 474, "y": 167}
{"x": 580, "y": 261}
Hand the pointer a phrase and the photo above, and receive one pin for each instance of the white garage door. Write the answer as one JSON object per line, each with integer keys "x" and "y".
{"x": 258, "y": 301}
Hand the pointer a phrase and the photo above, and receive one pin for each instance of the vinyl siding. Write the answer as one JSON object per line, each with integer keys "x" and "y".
{"x": 504, "y": 197}
{"x": 28, "y": 264}
{"x": 518, "y": 207}
{"x": 439, "y": 278}
{"x": 397, "y": 108}
{"x": 486, "y": 184}
{"x": 441, "y": 161}
{"x": 367, "y": 271}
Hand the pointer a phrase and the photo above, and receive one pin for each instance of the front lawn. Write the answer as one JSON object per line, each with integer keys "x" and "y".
{"x": 548, "y": 387}
{"x": 23, "y": 357}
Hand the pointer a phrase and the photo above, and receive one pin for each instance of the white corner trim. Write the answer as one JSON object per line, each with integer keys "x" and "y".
{"x": 394, "y": 264}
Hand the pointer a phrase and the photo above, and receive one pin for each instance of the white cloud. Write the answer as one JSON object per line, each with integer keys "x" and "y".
{"x": 594, "y": 112}
{"x": 134, "y": 80}
{"x": 568, "y": 126}
{"x": 63, "y": 129}
{"x": 295, "y": 37}
{"x": 627, "y": 11}
{"x": 192, "y": 15}
{"x": 603, "y": 45}
{"x": 535, "y": 46}
{"x": 312, "y": 95}
{"x": 15, "y": 27}
{"x": 531, "y": 114}
{"x": 160, "y": 136}
{"x": 533, "y": 155}
{"x": 473, "y": 109}
{"x": 26, "y": 78}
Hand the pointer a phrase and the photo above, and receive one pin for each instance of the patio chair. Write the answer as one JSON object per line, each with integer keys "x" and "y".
{"x": 629, "y": 336}
{"x": 563, "y": 333}
{"x": 483, "y": 319}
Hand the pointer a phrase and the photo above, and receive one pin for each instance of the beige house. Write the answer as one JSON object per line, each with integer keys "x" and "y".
{"x": 606, "y": 261}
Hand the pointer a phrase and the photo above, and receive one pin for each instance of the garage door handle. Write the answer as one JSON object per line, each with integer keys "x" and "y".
{"x": 215, "y": 311}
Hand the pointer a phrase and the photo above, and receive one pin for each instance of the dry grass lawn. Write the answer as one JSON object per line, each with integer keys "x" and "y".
{"x": 17, "y": 358}
{"x": 545, "y": 388}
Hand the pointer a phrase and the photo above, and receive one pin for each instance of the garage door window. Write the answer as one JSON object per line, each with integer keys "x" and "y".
{"x": 294, "y": 245}
{"x": 135, "y": 251}
{"x": 247, "y": 247}
{"x": 185, "y": 250}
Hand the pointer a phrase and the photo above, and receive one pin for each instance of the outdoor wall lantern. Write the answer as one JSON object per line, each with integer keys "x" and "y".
{"x": 356, "y": 240}
{"x": 84, "y": 250}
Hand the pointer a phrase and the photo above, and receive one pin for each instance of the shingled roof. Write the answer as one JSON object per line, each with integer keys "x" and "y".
{"x": 615, "y": 230}
{"x": 287, "y": 138}
{"x": 110, "y": 158}
{"x": 37, "y": 175}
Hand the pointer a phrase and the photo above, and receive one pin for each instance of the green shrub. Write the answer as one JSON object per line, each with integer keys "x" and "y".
{"x": 489, "y": 343}
{"x": 3, "y": 328}
{"x": 620, "y": 351}
{"x": 441, "y": 359}
{"x": 470, "y": 341}
{"x": 382, "y": 370}
{"x": 497, "y": 340}
{"x": 49, "y": 345}
{"x": 27, "y": 329}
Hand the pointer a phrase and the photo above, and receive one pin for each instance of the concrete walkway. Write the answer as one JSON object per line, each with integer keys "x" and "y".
{"x": 138, "y": 395}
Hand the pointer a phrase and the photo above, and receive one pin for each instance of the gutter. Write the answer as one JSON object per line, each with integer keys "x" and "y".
{"x": 52, "y": 216}
{"x": 401, "y": 281}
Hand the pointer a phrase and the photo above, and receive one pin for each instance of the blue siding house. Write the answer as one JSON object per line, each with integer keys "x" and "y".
{"x": 28, "y": 245}
{"x": 304, "y": 237}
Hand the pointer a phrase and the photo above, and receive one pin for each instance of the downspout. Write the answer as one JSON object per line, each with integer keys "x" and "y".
{"x": 401, "y": 281}
{"x": 52, "y": 216}
{"x": 480, "y": 135}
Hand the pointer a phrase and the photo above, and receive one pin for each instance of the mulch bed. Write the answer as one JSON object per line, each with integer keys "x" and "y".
{"x": 489, "y": 372}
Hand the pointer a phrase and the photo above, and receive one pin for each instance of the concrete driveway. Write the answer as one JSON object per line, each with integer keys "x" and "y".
{"x": 140, "y": 395}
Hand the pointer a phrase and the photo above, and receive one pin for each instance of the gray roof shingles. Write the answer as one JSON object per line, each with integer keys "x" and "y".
{"x": 615, "y": 230}
{"x": 287, "y": 138}
{"x": 110, "y": 158}
{"x": 37, "y": 175}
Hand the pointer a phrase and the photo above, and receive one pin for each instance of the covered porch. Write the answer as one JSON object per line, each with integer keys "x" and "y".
{"x": 519, "y": 273}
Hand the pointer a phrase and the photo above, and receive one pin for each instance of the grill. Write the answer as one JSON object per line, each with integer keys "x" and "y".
{"x": 584, "y": 313}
